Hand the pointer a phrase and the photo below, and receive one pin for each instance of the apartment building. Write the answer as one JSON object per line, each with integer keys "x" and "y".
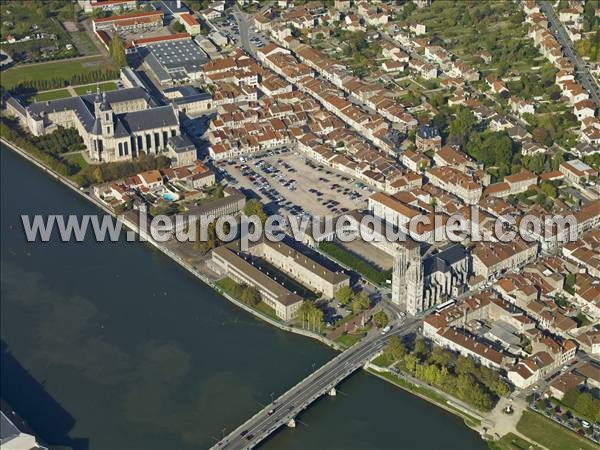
{"x": 456, "y": 182}
{"x": 492, "y": 258}
{"x": 548, "y": 355}
{"x": 232, "y": 264}
{"x": 301, "y": 267}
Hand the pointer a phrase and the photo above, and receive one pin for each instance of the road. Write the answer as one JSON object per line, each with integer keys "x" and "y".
{"x": 242, "y": 20}
{"x": 584, "y": 76}
{"x": 291, "y": 403}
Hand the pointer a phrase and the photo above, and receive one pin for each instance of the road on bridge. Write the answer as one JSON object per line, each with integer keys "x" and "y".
{"x": 320, "y": 382}
{"x": 556, "y": 26}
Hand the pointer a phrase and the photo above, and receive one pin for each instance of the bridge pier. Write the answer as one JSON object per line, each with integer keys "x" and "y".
{"x": 333, "y": 392}
{"x": 291, "y": 423}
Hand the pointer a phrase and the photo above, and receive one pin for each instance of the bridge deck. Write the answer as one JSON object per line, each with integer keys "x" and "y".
{"x": 291, "y": 403}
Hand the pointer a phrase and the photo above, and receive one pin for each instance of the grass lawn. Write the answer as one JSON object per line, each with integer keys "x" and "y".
{"x": 381, "y": 361}
{"x": 58, "y": 69}
{"x": 91, "y": 88}
{"x": 267, "y": 311}
{"x": 50, "y": 95}
{"x": 511, "y": 441}
{"x": 83, "y": 43}
{"x": 227, "y": 284}
{"x": 550, "y": 434}
{"x": 77, "y": 159}
{"x": 348, "y": 340}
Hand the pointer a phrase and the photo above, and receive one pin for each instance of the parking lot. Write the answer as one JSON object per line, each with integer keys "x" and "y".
{"x": 229, "y": 27}
{"x": 292, "y": 184}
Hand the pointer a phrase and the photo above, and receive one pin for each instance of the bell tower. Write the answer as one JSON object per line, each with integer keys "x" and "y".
{"x": 106, "y": 118}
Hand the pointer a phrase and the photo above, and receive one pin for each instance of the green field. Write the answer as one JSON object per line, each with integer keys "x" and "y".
{"x": 83, "y": 43}
{"x": 511, "y": 441}
{"x": 50, "y": 95}
{"x": 104, "y": 87}
{"x": 58, "y": 69}
{"x": 550, "y": 434}
{"x": 348, "y": 340}
{"x": 77, "y": 159}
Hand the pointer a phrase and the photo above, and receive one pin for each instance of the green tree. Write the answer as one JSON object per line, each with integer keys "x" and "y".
{"x": 548, "y": 189}
{"x": 380, "y": 319}
{"x": 570, "y": 280}
{"x": 117, "y": 51}
{"x": 250, "y": 296}
{"x": 344, "y": 295}
{"x": 255, "y": 208}
{"x": 557, "y": 160}
{"x": 395, "y": 349}
{"x": 310, "y": 316}
{"x": 178, "y": 27}
{"x": 461, "y": 126}
{"x": 360, "y": 303}
{"x": 421, "y": 350}
{"x": 441, "y": 357}
{"x": 585, "y": 404}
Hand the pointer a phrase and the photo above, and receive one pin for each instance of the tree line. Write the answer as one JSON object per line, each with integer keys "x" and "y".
{"x": 367, "y": 270}
{"x": 105, "y": 172}
{"x": 583, "y": 403}
{"x": 458, "y": 376}
{"x": 10, "y": 131}
{"x": 36, "y": 85}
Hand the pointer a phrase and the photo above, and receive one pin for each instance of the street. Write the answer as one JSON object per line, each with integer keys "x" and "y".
{"x": 584, "y": 76}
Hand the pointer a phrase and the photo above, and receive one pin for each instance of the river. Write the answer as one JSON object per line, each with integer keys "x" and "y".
{"x": 113, "y": 346}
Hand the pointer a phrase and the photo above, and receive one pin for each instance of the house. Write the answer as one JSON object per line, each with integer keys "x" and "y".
{"x": 418, "y": 29}
{"x": 549, "y": 355}
{"x": 563, "y": 384}
{"x": 151, "y": 179}
{"x": 456, "y": 182}
{"x": 428, "y": 138}
{"x": 414, "y": 161}
{"x": 497, "y": 86}
{"x": 521, "y": 181}
{"x": 584, "y": 109}
{"x": 576, "y": 171}
{"x": 181, "y": 151}
{"x": 191, "y": 24}
{"x": 520, "y": 106}
{"x": 393, "y": 66}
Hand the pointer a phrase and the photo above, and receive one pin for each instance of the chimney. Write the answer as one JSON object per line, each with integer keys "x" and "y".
{"x": 178, "y": 4}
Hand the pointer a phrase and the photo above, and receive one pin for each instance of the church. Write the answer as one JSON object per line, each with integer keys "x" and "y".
{"x": 115, "y": 126}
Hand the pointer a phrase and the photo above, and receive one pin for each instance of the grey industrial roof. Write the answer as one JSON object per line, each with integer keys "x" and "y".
{"x": 8, "y": 430}
{"x": 170, "y": 7}
{"x": 171, "y": 57}
{"x": 157, "y": 68}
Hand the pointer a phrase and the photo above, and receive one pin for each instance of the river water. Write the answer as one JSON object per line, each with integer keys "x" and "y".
{"x": 113, "y": 346}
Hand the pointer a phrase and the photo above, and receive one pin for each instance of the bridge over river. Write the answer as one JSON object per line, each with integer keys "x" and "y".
{"x": 284, "y": 409}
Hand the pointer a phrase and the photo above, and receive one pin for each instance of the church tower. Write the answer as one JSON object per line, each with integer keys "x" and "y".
{"x": 106, "y": 118}
{"x": 408, "y": 279}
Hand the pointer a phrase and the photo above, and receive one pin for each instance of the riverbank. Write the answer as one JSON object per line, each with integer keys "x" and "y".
{"x": 167, "y": 251}
{"x": 145, "y": 236}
